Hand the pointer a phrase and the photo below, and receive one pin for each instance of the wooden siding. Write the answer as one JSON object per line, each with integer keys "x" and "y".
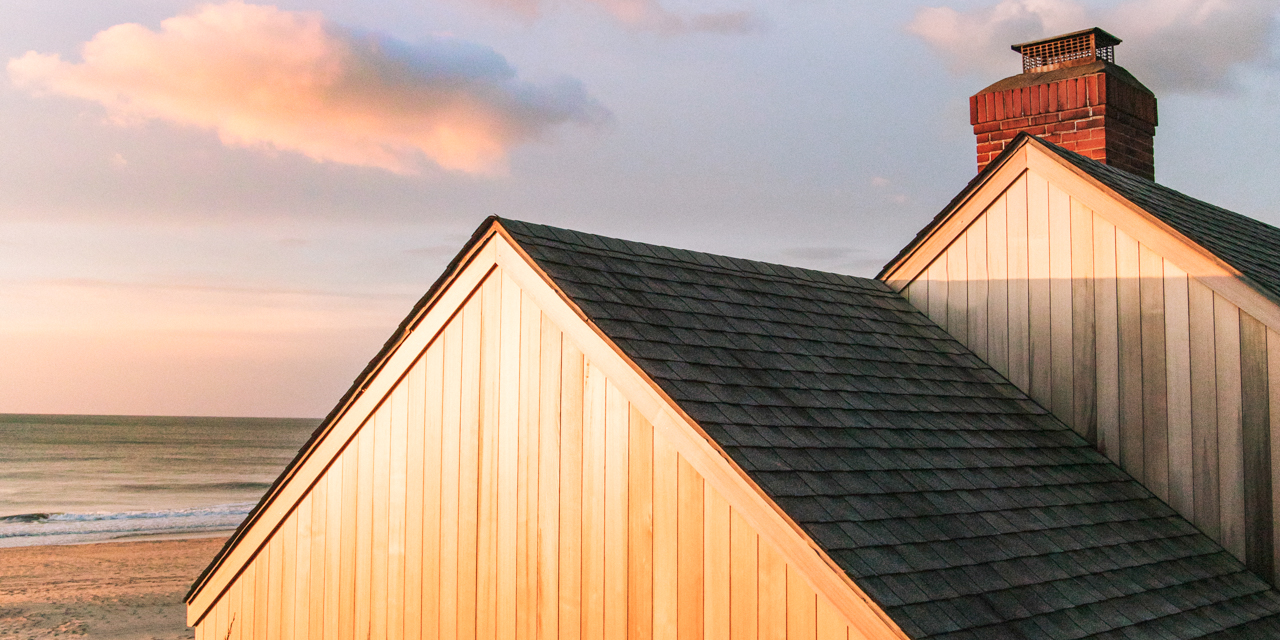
{"x": 506, "y": 488}
{"x": 1168, "y": 378}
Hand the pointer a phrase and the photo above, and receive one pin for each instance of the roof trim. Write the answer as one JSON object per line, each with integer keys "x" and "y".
{"x": 1028, "y": 152}
{"x": 984, "y": 188}
{"x": 468, "y": 255}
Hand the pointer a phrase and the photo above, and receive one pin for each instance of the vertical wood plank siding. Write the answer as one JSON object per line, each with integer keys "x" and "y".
{"x": 506, "y": 488}
{"x": 1168, "y": 379}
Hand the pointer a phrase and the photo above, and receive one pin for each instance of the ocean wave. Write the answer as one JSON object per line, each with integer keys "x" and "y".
{"x": 72, "y": 528}
{"x": 196, "y": 486}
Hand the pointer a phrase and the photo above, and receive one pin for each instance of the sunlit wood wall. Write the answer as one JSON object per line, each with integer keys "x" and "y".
{"x": 506, "y": 489}
{"x": 1168, "y": 378}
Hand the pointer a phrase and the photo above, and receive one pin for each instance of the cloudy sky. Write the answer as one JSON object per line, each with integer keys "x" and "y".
{"x": 224, "y": 209}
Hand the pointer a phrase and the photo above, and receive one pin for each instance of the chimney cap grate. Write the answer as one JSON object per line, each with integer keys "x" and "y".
{"x": 1079, "y": 47}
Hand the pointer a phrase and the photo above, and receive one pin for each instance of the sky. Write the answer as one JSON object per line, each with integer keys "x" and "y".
{"x": 225, "y": 208}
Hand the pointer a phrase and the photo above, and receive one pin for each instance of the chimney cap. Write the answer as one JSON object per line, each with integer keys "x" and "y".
{"x": 1068, "y": 49}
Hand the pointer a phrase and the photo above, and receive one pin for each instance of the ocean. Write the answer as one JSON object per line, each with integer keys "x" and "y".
{"x": 78, "y": 479}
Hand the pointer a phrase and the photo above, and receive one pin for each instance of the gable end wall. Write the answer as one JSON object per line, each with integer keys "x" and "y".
{"x": 504, "y": 487}
{"x": 1169, "y": 378}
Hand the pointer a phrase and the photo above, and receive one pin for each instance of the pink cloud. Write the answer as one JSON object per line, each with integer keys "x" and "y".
{"x": 647, "y": 15}
{"x": 262, "y": 76}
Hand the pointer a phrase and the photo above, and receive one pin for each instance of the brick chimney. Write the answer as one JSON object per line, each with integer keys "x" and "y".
{"x": 1071, "y": 93}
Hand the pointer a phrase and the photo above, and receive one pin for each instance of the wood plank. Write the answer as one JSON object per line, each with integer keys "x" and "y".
{"x": 288, "y": 535}
{"x": 640, "y": 590}
{"x": 829, "y": 625}
{"x": 432, "y": 514}
{"x": 365, "y": 528}
{"x": 772, "y": 590}
{"x": 572, "y": 418}
{"x": 998, "y": 285}
{"x": 1019, "y": 287}
{"x": 937, "y": 276}
{"x": 976, "y": 239}
{"x": 302, "y": 571}
{"x": 549, "y": 480}
{"x": 528, "y": 492}
{"x": 466, "y": 602}
{"x": 1273, "y": 404}
{"x": 1155, "y": 405}
{"x": 451, "y": 468}
{"x": 1083, "y": 328}
{"x": 396, "y": 526}
{"x": 262, "y": 592}
{"x": 666, "y": 487}
{"x": 1230, "y": 445}
{"x": 958, "y": 290}
{"x": 594, "y": 457}
{"x": 1107, "y": 347}
{"x": 616, "y": 463}
{"x": 488, "y": 527}
{"x": 690, "y": 569}
{"x": 744, "y": 571}
{"x": 917, "y": 293}
{"x": 1255, "y": 419}
{"x": 275, "y": 583}
{"x": 1204, "y": 410}
{"x": 1062, "y": 370}
{"x": 417, "y": 498}
{"x": 319, "y": 546}
{"x": 1129, "y": 339}
{"x": 508, "y": 460}
{"x": 802, "y": 608}
{"x": 248, "y": 601}
{"x": 716, "y": 562}
{"x": 1177, "y": 331}
{"x": 1039, "y": 291}
{"x": 379, "y": 567}
{"x": 333, "y": 544}
{"x": 233, "y": 597}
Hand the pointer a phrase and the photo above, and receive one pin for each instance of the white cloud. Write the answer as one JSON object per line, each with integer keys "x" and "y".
{"x": 1171, "y": 45}
{"x": 262, "y": 76}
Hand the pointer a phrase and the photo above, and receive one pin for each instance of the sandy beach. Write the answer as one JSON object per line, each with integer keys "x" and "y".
{"x": 119, "y": 590}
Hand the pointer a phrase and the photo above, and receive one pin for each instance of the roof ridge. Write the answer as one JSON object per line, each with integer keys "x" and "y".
{"x": 776, "y": 271}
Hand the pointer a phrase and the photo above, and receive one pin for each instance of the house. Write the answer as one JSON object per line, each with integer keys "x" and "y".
{"x": 579, "y": 437}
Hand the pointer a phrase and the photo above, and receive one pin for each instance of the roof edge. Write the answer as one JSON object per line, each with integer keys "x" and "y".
{"x": 976, "y": 183}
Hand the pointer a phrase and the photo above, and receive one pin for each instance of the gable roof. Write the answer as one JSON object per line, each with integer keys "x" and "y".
{"x": 960, "y": 506}
{"x": 1249, "y": 246}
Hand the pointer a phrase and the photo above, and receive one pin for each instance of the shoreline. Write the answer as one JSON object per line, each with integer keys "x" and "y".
{"x": 114, "y": 589}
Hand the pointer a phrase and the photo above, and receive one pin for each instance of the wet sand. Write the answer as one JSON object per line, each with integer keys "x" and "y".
{"x": 112, "y": 591}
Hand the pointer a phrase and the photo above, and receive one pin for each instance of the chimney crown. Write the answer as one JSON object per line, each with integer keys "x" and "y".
{"x": 1067, "y": 50}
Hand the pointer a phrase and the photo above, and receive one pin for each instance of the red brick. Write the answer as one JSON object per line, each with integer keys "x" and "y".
{"x": 973, "y": 110}
{"x": 986, "y": 127}
{"x": 1017, "y": 103}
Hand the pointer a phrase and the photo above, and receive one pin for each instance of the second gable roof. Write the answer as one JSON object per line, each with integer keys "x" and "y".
{"x": 954, "y": 501}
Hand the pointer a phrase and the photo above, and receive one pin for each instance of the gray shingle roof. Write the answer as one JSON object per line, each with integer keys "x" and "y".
{"x": 958, "y": 504}
{"x": 1252, "y": 247}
